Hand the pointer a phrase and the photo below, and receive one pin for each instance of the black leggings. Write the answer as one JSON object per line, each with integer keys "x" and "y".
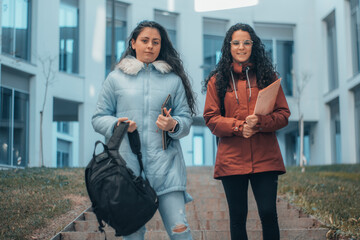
{"x": 264, "y": 186}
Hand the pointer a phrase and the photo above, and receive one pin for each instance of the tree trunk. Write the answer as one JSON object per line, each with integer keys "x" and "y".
{"x": 41, "y": 140}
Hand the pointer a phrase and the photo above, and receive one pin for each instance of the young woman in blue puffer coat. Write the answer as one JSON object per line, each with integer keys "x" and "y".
{"x": 147, "y": 73}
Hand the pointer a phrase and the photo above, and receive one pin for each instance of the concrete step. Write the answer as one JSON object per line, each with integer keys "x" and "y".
{"x": 215, "y": 225}
{"x": 212, "y": 215}
{"x": 208, "y": 216}
{"x": 285, "y": 234}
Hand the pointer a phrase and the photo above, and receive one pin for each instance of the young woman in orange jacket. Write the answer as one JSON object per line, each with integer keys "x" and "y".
{"x": 248, "y": 149}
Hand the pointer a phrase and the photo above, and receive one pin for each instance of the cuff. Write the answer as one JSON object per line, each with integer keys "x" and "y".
{"x": 238, "y": 127}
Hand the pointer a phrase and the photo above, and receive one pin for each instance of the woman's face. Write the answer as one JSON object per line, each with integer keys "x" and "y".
{"x": 147, "y": 45}
{"x": 241, "y": 46}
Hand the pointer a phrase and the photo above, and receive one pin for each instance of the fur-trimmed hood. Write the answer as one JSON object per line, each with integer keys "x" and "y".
{"x": 130, "y": 65}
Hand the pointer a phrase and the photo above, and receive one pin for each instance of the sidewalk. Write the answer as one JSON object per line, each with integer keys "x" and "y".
{"x": 207, "y": 216}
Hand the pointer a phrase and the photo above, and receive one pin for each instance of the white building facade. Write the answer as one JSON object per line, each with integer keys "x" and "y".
{"x": 56, "y": 54}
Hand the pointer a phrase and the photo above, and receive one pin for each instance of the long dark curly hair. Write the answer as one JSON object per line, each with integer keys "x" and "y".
{"x": 265, "y": 71}
{"x": 167, "y": 54}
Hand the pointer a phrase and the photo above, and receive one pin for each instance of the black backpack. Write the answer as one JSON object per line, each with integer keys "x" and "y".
{"x": 119, "y": 198}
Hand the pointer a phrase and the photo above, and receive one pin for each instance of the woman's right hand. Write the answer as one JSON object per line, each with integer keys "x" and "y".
{"x": 248, "y": 131}
{"x": 132, "y": 124}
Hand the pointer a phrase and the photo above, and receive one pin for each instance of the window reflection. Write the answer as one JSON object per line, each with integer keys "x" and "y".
{"x": 14, "y": 116}
{"x": 69, "y": 36}
{"x": 15, "y": 22}
{"x": 116, "y": 31}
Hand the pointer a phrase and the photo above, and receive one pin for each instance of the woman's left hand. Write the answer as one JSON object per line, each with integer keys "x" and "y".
{"x": 166, "y": 122}
{"x": 252, "y": 120}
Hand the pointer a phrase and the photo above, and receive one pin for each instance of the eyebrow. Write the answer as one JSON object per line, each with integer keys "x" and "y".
{"x": 149, "y": 38}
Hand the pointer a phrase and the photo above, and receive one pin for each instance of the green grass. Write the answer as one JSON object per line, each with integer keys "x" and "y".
{"x": 30, "y": 197}
{"x": 330, "y": 193}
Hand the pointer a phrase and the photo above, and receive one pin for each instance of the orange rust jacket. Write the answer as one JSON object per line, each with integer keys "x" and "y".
{"x": 237, "y": 155}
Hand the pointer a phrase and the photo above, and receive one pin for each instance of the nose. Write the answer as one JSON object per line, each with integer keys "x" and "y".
{"x": 150, "y": 45}
{"x": 241, "y": 45}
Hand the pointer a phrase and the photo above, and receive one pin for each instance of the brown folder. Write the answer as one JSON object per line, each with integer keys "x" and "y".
{"x": 166, "y": 139}
{"x": 266, "y": 98}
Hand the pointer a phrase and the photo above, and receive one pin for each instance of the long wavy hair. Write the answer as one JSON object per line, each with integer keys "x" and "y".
{"x": 167, "y": 54}
{"x": 264, "y": 69}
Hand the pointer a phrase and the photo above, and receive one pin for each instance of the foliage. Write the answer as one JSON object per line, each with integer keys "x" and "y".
{"x": 30, "y": 197}
{"x": 330, "y": 193}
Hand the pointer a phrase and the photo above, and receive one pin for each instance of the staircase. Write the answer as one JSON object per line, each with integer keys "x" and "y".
{"x": 207, "y": 216}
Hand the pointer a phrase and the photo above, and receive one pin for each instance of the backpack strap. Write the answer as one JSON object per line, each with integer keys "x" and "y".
{"x": 135, "y": 145}
{"x": 117, "y": 137}
{"x": 134, "y": 139}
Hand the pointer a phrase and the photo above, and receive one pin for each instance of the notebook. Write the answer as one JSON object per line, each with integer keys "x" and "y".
{"x": 166, "y": 139}
{"x": 266, "y": 98}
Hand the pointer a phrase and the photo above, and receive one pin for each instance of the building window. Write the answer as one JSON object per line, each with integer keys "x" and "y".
{"x": 214, "y": 31}
{"x": 63, "y": 127}
{"x": 279, "y": 47}
{"x": 63, "y": 153}
{"x": 15, "y": 22}
{"x": 169, "y": 21}
{"x": 331, "y": 50}
{"x": 14, "y": 116}
{"x": 357, "y": 122}
{"x": 198, "y": 146}
{"x": 355, "y": 34}
{"x": 116, "y": 33}
{"x": 69, "y": 36}
{"x": 335, "y": 131}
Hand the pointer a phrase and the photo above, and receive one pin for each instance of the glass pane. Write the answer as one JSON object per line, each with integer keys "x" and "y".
{"x": 63, "y": 153}
{"x": 335, "y": 131}
{"x": 355, "y": 34}
{"x": 8, "y": 25}
{"x": 357, "y": 122}
{"x": 211, "y": 52}
{"x": 115, "y": 45}
{"x": 5, "y": 126}
{"x": 198, "y": 150}
{"x": 332, "y": 54}
{"x": 172, "y": 36}
{"x": 20, "y": 153}
{"x": 269, "y": 49}
{"x": 284, "y": 60}
{"x": 21, "y": 29}
{"x": 69, "y": 37}
{"x": 120, "y": 38}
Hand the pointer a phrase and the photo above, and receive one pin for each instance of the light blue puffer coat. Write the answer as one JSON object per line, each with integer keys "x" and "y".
{"x": 136, "y": 91}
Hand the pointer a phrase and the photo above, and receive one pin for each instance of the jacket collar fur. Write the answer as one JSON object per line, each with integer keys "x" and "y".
{"x": 130, "y": 65}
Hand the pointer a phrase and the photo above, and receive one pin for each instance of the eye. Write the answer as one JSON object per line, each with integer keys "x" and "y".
{"x": 156, "y": 42}
{"x": 144, "y": 40}
{"x": 235, "y": 43}
{"x": 247, "y": 42}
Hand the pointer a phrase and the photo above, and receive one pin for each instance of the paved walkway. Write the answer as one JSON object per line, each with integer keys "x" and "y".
{"x": 208, "y": 217}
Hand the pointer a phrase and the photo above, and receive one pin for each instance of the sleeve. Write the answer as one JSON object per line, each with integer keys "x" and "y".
{"x": 182, "y": 112}
{"x": 278, "y": 118}
{"x": 104, "y": 119}
{"x": 219, "y": 125}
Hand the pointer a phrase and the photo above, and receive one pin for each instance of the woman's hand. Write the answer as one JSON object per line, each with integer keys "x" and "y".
{"x": 132, "y": 124}
{"x": 165, "y": 123}
{"x": 252, "y": 120}
{"x": 248, "y": 131}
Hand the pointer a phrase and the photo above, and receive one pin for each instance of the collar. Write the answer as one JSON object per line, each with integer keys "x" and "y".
{"x": 241, "y": 68}
{"x": 130, "y": 65}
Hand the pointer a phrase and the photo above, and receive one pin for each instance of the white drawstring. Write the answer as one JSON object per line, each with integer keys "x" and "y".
{"x": 237, "y": 99}
{"x": 247, "y": 77}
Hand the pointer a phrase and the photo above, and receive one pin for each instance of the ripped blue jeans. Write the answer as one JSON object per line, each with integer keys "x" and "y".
{"x": 172, "y": 211}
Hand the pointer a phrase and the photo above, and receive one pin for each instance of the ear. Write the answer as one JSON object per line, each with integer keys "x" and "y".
{"x": 132, "y": 44}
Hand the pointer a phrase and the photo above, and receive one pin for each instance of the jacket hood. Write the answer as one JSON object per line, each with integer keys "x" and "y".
{"x": 130, "y": 65}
